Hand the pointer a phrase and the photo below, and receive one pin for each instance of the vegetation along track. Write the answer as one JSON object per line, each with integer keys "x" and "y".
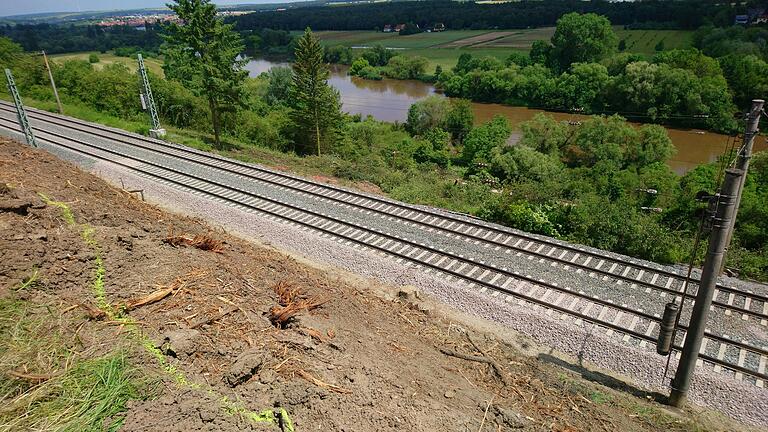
{"x": 740, "y": 358}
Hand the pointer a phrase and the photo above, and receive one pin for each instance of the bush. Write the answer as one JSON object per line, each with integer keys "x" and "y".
{"x": 405, "y": 67}
{"x": 93, "y": 58}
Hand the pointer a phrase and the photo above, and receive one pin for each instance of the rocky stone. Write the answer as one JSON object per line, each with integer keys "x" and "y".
{"x": 178, "y": 342}
{"x": 509, "y": 417}
{"x": 246, "y": 365}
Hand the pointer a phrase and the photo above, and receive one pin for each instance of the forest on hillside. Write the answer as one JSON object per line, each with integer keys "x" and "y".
{"x": 685, "y": 14}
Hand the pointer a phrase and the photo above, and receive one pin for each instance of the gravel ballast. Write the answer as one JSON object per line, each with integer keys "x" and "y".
{"x": 621, "y": 293}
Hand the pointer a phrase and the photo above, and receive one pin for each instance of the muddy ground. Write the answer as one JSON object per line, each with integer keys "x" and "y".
{"x": 367, "y": 357}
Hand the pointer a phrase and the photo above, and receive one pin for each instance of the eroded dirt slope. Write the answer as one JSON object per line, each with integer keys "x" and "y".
{"x": 229, "y": 318}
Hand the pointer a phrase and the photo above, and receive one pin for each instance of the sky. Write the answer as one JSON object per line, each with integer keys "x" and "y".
{"x": 18, "y": 7}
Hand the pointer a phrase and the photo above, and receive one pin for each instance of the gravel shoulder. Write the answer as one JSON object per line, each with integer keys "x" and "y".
{"x": 372, "y": 357}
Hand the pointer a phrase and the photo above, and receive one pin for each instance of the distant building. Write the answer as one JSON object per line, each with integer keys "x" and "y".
{"x": 741, "y": 20}
{"x": 387, "y": 28}
{"x": 399, "y": 27}
{"x": 762, "y": 19}
{"x": 439, "y": 27}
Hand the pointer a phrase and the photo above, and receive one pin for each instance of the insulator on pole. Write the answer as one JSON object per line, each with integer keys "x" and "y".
{"x": 667, "y": 328}
{"x": 21, "y": 113}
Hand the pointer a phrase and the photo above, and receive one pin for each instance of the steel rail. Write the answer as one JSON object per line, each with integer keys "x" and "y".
{"x": 540, "y": 255}
{"x": 477, "y": 281}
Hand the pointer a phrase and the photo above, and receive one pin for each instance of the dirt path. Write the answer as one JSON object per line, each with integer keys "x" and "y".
{"x": 212, "y": 316}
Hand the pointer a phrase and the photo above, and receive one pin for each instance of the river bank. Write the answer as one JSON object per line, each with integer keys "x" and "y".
{"x": 389, "y": 100}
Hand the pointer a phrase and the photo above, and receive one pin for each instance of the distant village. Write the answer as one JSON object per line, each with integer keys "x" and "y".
{"x": 140, "y": 21}
{"x": 753, "y": 16}
{"x": 397, "y": 28}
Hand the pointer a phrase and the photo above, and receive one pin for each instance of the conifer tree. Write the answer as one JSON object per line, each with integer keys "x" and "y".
{"x": 203, "y": 54}
{"x": 316, "y": 106}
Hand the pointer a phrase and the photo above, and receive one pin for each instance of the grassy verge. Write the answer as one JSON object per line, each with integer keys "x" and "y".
{"x": 153, "y": 64}
{"x": 45, "y": 385}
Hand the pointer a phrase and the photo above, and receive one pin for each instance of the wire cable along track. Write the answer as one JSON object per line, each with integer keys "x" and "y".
{"x": 743, "y": 359}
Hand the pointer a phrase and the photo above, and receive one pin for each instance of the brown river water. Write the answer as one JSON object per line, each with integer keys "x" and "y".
{"x": 389, "y": 100}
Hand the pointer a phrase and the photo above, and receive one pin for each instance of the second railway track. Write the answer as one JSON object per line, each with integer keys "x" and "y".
{"x": 727, "y": 299}
{"x": 740, "y": 357}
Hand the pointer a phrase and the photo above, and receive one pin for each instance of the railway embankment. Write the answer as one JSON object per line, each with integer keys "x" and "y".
{"x": 116, "y": 311}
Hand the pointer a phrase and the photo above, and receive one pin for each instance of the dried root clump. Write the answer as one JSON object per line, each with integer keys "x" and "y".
{"x": 202, "y": 242}
{"x": 292, "y": 302}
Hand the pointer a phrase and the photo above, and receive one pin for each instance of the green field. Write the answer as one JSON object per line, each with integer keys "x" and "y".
{"x": 645, "y": 41}
{"x": 154, "y": 65}
{"x": 434, "y": 47}
{"x": 393, "y": 40}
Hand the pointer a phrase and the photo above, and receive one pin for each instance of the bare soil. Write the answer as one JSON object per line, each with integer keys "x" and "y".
{"x": 367, "y": 358}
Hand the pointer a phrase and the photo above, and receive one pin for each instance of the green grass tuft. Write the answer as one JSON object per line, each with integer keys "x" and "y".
{"x": 31, "y": 281}
{"x": 66, "y": 212}
{"x": 80, "y": 395}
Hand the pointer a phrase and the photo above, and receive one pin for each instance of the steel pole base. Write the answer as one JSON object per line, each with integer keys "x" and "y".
{"x": 157, "y": 133}
{"x": 677, "y": 398}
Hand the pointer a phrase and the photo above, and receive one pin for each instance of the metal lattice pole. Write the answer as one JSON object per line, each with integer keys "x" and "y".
{"x": 21, "y": 114}
{"x": 149, "y": 102}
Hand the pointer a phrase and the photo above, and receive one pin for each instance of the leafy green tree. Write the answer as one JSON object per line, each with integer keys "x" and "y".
{"x": 616, "y": 64}
{"x": 204, "y": 55}
{"x": 482, "y": 139}
{"x": 690, "y": 59}
{"x": 523, "y": 216}
{"x": 747, "y": 77}
{"x": 406, "y": 67}
{"x": 518, "y": 58}
{"x": 358, "y": 65}
{"x": 426, "y": 114}
{"x": 438, "y": 71}
{"x": 583, "y": 86}
{"x": 541, "y": 51}
{"x": 601, "y": 139}
{"x": 622, "y": 45}
{"x": 515, "y": 163}
{"x": 378, "y": 55}
{"x": 578, "y": 38}
{"x": 460, "y": 119}
{"x": 316, "y": 105}
{"x": 653, "y": 145}
{"x": 544, "y": 134}
{"x": 279, "y": 85}
{"x": 463, "y": 64}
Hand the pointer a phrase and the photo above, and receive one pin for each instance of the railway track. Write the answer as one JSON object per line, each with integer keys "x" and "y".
{"x": 729, "y": 300}
{"x": 739, "y": 357}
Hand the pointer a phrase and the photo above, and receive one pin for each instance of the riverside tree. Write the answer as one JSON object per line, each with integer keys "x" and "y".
{"x": 316, "y": 106}
{"x": 581, "y": 38}
{"x": 204, "y": 55}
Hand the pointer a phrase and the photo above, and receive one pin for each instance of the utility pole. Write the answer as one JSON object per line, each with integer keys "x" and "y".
{"x": 745, "y": 154}
{"x": 53, "y": 83}
{"x": 21, "y": 114}
{"x": 725, "y": 212}
{"x": 148, "y": 102}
